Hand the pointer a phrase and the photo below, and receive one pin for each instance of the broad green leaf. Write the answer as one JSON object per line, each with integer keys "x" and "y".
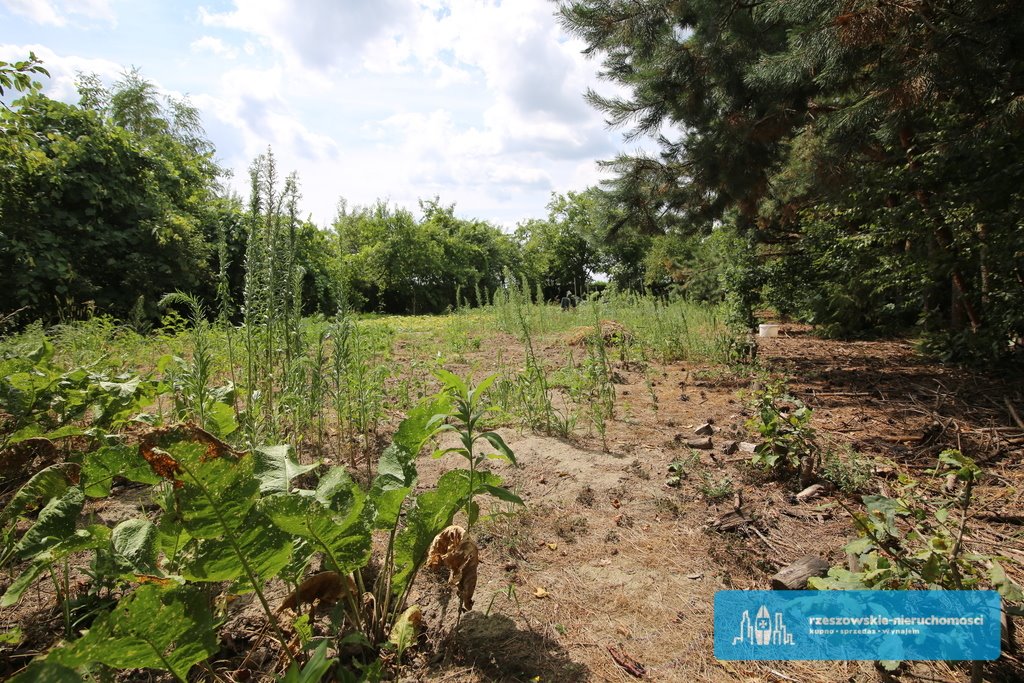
{"x": 101, "y": 466}
{"x": 42, "y": 354}
{"x": 932, "y": 569}
{"x": 420, "y": 425}
{"x": 452, "y": 381}
{"x": 36, "y": 432}
{"x": 134, "y": 544}
{"x": 55, "y": 523}
{"x": 266, "y": 550}
{"x": 336, "y": 490}
{"x": 883, "y": 511}
{"x": 859, "y": 546}
{"x": 1006, "y": 587}
{"x": 394, "y": 470}
{"x": 275, "y": 468}
{"x": 838, "y": 578}
{"x": 29, "y": 431}
{"x": 171, "y": 539}
{"x": 966, "y": 469}
{"x": 387, "y": 506}
{"x": 221, "y": 419}
{"x": 153, "y": 628}
{"x": 46, "y": 485}
{"x": 342, "y": 535}
{"x": 125, "y": 389}
{"x": 92, "y": 537}
{"x": 42, "y": 671}
{"x": 406, "y": 629}
{"x": 303, "y": 629}
{"x": 12, "y": 636}
{"x": 430, "y": 513}
{"x": 212, "y": 493}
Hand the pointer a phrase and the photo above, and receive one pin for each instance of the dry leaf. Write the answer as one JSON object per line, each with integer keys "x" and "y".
{"x": 443, "y": 544}
{"x": 327, "y": 587}
{"x": 553, "y": 546}
{"x": 455, "y": 549}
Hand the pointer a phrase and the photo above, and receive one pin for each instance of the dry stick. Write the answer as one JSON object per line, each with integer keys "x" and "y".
{"x": 255, "y": 646}
{"x": 976, "y": 666}
{"x": 1013, "y": 412}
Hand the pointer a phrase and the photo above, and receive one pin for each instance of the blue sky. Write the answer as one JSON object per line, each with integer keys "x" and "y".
{"x": 477, "y": 101}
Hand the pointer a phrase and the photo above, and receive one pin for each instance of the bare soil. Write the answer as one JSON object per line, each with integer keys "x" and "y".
{"x": 610, "y": 572}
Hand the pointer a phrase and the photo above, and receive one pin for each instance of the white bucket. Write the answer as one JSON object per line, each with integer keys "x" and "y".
{"x": 768, "y": 330}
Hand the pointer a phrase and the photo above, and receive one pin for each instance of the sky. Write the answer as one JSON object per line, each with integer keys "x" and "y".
{"x": 478, "y": 102}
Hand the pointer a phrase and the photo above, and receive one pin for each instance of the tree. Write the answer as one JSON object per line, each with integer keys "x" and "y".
{"x": 561, "y": 250}
{"x": 866, "y": 137}
{"x": 394, "y": 263}
{"x": 93, "y": 212}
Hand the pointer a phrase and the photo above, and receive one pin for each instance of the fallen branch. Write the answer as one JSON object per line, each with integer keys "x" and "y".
{"x": 628, "y": 664}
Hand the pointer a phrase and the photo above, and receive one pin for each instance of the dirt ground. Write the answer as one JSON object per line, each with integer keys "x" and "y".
{"x": 609, "y": 562}
{"x": 609, "y": 572}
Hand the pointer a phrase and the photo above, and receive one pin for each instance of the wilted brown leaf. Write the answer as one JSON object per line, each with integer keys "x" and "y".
{"x": 327, "y": 587}
{"x": 455, "y": 549}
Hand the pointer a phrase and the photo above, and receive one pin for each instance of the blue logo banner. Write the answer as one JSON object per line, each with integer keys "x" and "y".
{"x": 849, "y": 625}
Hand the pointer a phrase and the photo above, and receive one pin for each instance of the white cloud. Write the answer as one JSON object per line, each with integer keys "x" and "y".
{"x": 63, "y": 69}
{"x": 214, "y": 46}
{"x": 477, "y": 101}
{"x": 252, "y": 103}
{"x": 39, "y": 11}
{"x": 57, "y": 12}
{"x": 318, "y": 34}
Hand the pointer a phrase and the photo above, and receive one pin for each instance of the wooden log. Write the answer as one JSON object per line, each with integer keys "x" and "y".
{"x": 794, "y": 577}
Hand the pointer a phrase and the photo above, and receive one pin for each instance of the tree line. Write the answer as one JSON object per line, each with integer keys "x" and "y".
{"x": 858, "y": 161}
{"x": 851, "y": 163}
{"x": 107, "y": 204}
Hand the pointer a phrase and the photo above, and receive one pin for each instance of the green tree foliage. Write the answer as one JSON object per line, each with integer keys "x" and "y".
{"x": 866, "y": 151}
{"x": 91, "y": 211}
{"x": 89, "y": 215}
{"x": 561, "y": 252}
{"x": 392, "y": 262}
